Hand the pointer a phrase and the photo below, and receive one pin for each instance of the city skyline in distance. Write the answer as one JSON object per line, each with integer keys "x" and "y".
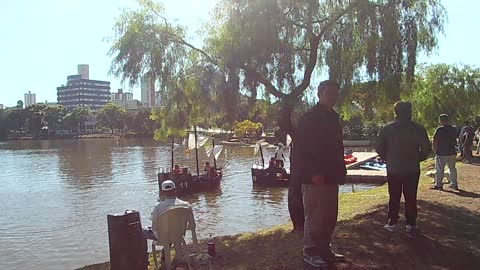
{"x": 40, "y": 50}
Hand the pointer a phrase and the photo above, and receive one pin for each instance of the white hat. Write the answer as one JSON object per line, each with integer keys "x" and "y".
{"x": 168, "y": 185}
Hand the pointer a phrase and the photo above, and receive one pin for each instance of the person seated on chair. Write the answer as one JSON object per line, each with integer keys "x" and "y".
{"x": 169, "y": 193}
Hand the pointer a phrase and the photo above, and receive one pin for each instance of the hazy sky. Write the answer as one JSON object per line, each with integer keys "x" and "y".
{"x": 43, "y": 41}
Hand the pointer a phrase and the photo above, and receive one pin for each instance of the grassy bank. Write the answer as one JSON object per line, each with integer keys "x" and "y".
{"x": 450, "y": 222}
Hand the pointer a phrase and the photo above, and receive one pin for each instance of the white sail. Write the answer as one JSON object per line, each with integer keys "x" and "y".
{"x": 201, "y": 140}
{"x": 257, "y": 147}
{"x": 217, "y": 150}
{"x": 208, "y": 151}
{"x": 175, "y": 146}
{"x": 289, "y": 140}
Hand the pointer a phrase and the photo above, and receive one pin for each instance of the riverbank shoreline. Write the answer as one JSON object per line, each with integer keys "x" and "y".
{"x": 81, "y": 136}
{"x": 448, "y": 220}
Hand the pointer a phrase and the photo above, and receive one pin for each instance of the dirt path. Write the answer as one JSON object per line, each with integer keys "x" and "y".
{"x": 449, "y": 238}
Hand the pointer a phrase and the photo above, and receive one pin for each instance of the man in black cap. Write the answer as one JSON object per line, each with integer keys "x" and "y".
{"x": 403, "y": 144}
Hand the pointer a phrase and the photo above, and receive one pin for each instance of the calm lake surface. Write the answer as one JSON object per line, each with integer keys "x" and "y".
{"x": 55, "y": 196}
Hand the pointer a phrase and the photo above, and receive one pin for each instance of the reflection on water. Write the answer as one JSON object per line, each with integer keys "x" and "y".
{"x": 55, "y": 197}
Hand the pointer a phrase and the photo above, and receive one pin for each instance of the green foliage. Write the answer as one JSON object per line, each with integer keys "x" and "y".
{"x": 449, "y": 89}
{"x": 144, "y": 43}
{"x": 79, "y": 115}
{"x": 35, "y": 114}
{"x": 112, "y": 116}
{"x": 139, "y": 121}
{"x": 54, "y": 115}
{"x": 19, "y": 104}
{"x": 4, "y": 129}
{"x": 273, "y": 47}
{"x": 247, "y": 127}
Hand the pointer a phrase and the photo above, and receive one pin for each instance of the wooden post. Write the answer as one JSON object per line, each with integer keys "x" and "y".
{"x": 196, "y": 149}
{"x": 213, "y": 151}
{"x": 261, "y": 154}
{"x": 173, "y": 144}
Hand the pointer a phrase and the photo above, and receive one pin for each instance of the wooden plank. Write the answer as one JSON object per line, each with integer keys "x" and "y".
{"x": 366, "y": 176}
{"x": 362, "y": 157}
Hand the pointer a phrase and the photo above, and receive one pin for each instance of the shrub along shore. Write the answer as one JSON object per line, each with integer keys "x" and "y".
{"x": 449, "y": 222}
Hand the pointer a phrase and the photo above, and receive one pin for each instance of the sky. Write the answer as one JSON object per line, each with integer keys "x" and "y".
{"x": 42, "y": 42}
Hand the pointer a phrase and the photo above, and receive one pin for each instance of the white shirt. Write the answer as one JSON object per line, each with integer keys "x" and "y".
{"x": 162, "y": 206}
{"x": 279, "y": 153}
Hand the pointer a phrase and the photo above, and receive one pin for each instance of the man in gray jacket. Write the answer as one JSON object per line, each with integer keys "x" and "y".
{"x": 403, "y": 144}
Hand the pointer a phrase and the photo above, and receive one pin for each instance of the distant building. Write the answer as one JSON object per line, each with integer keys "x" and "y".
{"x": 48, "y": 103}
{"x": 29, "y": 99}
{"x": 148, "y": 91}
{"x": 84, "y": 70}
{"x": 83, "y": 92}
{"x": 124, "y": 99}
{"x": 1, "y": 106}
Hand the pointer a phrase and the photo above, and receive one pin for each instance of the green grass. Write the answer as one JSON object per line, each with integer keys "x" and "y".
{"x": 450, "y": 222}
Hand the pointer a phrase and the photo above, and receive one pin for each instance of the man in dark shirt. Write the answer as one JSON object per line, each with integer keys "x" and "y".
{"x": 403, "y": 144}
{"x": 444, "y": 142}
{"x": 319, "y": 163}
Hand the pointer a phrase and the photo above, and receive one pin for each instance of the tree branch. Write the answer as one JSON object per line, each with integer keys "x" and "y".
{"x": 314, "y": 42}
{"x": 255, "y": 75}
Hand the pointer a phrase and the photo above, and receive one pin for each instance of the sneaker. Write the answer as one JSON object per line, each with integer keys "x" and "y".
{"x": 437, "y": 188}
{"x": 315, "y": 261}
{"x": 334, "y": 257}
{"x": 454, "y": 187}
{"x": 411, "y": 228}
{"x": 390, "y": 227}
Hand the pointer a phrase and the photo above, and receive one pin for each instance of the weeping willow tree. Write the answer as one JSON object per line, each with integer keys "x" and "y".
{"x": 276, "y": 47}
{"x": 450, "y": 89}
{"x": 280, "y": 45}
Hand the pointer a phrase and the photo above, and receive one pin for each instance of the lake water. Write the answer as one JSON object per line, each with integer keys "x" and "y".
{"x": 55, "y": 196}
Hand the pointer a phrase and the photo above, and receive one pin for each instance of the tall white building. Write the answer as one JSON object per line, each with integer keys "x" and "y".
{"x": 148, "y": 92}
{"x": 1, "y": 106}
{"x": 29, "y": 99}
{"x": 83, "y": 70}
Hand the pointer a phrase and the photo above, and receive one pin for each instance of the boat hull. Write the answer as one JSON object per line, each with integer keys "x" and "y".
{"x": 190, "y": 184}
{"x": 265, "y": 178}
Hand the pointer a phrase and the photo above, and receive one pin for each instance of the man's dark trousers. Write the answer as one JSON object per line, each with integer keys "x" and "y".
{"x": 408, "y": 184}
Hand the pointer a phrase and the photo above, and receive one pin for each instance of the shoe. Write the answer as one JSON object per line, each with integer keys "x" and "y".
{"x": 437, "y": 188}
{"x": 411, "y": 228}
{"x": 334, "y": 257}
{"x": 390, "y": 227}
{"x": 315, "y": 261}
{"x": 453, "y": 187}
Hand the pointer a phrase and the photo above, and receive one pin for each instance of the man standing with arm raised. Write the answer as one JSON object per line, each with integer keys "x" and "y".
{"x": 320, "y": 162}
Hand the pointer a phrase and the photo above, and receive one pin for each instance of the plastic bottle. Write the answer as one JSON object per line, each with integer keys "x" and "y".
{"x": 211, "y": 246}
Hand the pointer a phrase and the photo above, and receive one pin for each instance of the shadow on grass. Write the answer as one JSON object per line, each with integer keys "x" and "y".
{"x": 449, "y": 240}
{"x": 463, "y": 193}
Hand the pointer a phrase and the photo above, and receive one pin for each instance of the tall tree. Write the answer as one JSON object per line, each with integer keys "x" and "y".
{"x": 142, "y": 46}
{"x": 80, "y": 115}
{"x": 112, "y": 116}
{"x": 35, "y": 120}
{"x": 450, "y": 89}
{"x": 54, "y": 115}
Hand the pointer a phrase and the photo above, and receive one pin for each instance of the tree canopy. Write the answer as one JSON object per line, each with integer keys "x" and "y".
{"x": 275, "y": 47}
{"x": 450, "y": 89}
